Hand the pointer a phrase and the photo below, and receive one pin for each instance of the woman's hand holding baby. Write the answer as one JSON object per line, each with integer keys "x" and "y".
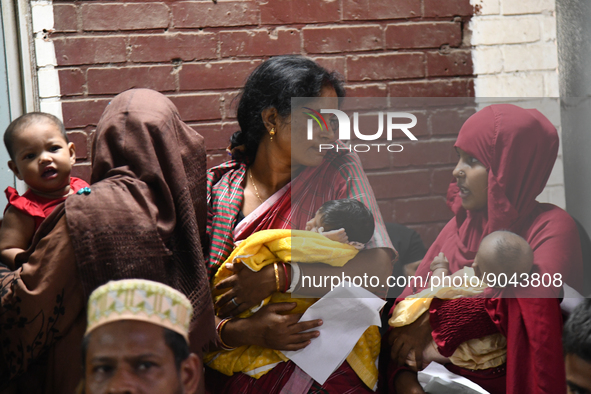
{"x": 412, "y": 338}
{"x": 271, "y": 327}
{"x": 247, "y": 288}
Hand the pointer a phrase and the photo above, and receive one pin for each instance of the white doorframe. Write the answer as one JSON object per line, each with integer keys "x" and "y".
{"x": 20, "y": 72}
{"x": 20, "y": 64}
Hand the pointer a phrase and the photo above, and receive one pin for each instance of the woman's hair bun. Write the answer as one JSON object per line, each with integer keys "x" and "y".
{"x": 238, "y": 138}
{"x": 237, "y": 147}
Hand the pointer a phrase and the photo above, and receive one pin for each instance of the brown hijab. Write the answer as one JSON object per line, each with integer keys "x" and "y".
{"x": 146, "y": 214}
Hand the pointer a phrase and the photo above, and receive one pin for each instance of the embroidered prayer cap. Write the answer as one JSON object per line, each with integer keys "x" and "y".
{"x": 140, "y": 299}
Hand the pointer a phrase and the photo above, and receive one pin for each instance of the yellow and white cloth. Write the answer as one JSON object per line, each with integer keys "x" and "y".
{"x": 140, "y": 299}
{"x": 480, "y": 353}
{"x": 268, "y": 246}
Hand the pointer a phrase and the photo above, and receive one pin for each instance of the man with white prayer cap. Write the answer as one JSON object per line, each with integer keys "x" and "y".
{"x": 137, "y": 340}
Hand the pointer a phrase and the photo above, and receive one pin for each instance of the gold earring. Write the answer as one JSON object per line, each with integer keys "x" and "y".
{"x": 272, "y": 133}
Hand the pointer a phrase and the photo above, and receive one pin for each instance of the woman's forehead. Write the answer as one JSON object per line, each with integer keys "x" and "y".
{"x": 327, "y": 100}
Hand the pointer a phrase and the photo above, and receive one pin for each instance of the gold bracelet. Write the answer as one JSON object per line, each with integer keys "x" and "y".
{"x": 277, "y": 277}
{"x": 219, "y": 329}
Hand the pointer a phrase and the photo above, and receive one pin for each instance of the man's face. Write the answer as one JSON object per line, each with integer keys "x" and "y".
{"x": 578, "y": 375}
{"x": 132, "y": 357}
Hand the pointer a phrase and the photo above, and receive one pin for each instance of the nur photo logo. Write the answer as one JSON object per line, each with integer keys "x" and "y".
{"x": 392, "y": 122}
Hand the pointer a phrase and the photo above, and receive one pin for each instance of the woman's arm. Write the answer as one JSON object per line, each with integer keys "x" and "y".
{"x": 407, "y": 383}
{"x": 412, "y": 338}
{"x": 371, "y": 267}
{"x": 16, "y": 234}
{"x": 271, "y": 328}
{"x": 449, "y": 323}
{"x": 42, "y": 302}
{"x": 248, "y": 288}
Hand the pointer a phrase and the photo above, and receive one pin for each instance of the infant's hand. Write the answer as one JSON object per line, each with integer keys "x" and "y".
{"x": 440, "y": 262}
{"x": 337, "y": 235}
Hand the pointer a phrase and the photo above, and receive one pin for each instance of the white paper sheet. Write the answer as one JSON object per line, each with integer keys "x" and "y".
{"x": 436, "y": 379}
{"x": 346, "y": 312}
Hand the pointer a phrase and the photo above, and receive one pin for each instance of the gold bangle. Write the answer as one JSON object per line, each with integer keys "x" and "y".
{"x": 277, "y": 282}
{"x": 219, "y": 329}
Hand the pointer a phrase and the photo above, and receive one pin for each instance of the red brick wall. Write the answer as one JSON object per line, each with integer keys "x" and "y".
{"x": 199, "y": 53}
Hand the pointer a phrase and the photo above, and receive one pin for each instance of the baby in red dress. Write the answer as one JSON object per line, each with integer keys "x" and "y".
{"x": 42, "y": 157}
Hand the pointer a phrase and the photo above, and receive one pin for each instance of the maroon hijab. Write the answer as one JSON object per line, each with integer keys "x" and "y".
{"x": 146, "y": 214}
{"x": 518, "y": 147}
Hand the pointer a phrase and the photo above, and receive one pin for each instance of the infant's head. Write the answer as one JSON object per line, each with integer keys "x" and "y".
{"x": 40, "y": 154}
{"x": 349, "y": 214}
{"x": 503, "y": 252}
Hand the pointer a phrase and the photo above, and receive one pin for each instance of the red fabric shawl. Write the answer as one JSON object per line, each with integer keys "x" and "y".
{"x": 518, "y": 147}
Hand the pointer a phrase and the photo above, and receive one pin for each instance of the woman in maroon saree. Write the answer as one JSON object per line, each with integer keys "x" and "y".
{"x": 516, "y": 148}
{"x": 277, "y": 181}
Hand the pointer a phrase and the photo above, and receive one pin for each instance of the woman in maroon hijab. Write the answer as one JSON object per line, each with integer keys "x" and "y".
{"x": 506, "y": 154}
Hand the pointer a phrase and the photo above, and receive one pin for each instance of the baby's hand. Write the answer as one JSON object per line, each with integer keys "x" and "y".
{"x": 337, "y": 235}
{"x": 440, "y": 262}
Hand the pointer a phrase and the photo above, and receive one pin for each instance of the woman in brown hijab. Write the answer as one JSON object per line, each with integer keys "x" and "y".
{"x": 144, "y": 217}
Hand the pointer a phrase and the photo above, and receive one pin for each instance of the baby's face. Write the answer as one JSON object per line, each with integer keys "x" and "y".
{"x": 43, "y": 159}
{"x": 315, "y": 223}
